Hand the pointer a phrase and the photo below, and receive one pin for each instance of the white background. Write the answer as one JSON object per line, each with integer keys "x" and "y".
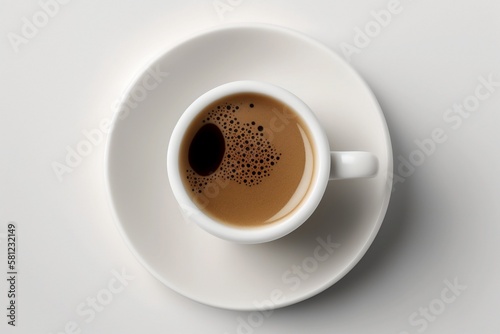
{"x": 442, "y": 223}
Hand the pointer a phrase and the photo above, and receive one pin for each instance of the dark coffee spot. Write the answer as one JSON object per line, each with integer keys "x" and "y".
{"x": 207, "y": 150}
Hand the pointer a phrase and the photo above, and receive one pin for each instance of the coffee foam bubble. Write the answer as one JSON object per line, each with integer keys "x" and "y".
{"x": 249, "y": 156}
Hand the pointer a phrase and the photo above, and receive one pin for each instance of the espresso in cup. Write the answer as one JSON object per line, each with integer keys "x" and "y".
{"x": 247, "y": 160}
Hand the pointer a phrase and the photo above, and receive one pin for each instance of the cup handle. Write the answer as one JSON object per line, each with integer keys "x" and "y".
{"x": 352, "y": 164}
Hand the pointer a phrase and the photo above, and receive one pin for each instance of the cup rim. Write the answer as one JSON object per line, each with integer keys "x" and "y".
{"x": 285, "y": 225}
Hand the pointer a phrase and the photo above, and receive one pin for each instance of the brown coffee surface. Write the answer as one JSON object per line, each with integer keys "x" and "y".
{"x": 243, "y": 159}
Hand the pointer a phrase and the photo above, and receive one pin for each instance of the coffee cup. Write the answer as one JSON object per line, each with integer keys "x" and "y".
{"x": 249, "y": 162}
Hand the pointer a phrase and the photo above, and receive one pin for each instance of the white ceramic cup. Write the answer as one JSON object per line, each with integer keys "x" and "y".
{"x": 327, "y": 166}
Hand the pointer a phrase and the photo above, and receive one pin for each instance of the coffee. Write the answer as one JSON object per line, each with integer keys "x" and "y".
{"x": 247, "y": 160}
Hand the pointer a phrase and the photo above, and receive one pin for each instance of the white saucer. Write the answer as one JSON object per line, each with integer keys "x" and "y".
{"x": 205, "y": 268}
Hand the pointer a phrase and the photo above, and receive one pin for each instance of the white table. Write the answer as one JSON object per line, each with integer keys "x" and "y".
{"x": 433, "y": 267}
